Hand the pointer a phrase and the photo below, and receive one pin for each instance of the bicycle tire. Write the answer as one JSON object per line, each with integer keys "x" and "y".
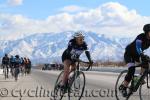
{"x": 144, "y": 86}
{"x": 56, "y": 86}
{"x": 116, "y": 85}
{"x": 83, "y": 88}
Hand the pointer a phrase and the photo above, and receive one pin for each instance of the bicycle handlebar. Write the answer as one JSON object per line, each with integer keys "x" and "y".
{"x": 90, "y": 64}
{"x": 143, "y": 62}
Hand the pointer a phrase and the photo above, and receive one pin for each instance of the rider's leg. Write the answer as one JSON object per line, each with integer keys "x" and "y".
{"x": 73, "y": 67}
{"x": 131, "y": 70}
{"x": 3, "y": 67}
{"x": 67, "y": 64}
{"x": 7, "y": 66}
{"x": 128, "y": 78}
{"x": 130, "y": 61}
{"x": 142, "y": 70}
{"x": 130, "y": 74}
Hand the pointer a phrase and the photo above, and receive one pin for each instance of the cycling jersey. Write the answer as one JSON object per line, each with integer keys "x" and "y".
{"x": 17, "y": 62}
{"x": 12, "y": 60}
{"x": 133, "y": 52}
{"x": 5, "y": 60}
{"x": 134, "y": 49}
{"x": 73, "y": 50}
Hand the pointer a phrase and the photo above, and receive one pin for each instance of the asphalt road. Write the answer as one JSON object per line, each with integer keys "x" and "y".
{"x": 39, "y": 86}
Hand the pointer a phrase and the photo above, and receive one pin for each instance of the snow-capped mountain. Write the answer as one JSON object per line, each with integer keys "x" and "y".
{"x": 48, "y": 47}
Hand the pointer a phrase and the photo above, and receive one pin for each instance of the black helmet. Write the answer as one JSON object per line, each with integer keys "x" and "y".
{"x": 146, "y": 28}
{"x": 17, "y": 56}
{"x": 6, "y": 54}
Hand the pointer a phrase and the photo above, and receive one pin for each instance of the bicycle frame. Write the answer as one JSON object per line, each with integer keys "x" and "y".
{"x": 74, "y": 72}
{"x": 145, "y": 74}
{"x": 77, "y": 69}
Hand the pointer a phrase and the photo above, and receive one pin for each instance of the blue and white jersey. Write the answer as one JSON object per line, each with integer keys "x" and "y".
{"x": 140, "y": 44}
{"x": 17, "y": 62}
{"x": 76, "y": 50}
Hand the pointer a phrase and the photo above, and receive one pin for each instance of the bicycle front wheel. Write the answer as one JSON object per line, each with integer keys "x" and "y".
{"x": 77, "y": 87}
{"x": 118, "y": 94}
{"x": 58, "y": 95}
{"x": 144, "y": 91}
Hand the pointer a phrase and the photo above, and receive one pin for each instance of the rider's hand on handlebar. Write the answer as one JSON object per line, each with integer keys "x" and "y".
{"x": 144, "y": 57}
{"x": 91, "y": 62}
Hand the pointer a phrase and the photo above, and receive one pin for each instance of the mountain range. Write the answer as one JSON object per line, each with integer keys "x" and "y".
{"x": 48, "y": 47}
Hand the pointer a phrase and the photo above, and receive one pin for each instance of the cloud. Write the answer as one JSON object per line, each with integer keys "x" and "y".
{"x": 15, "y": 2}
{"x": 112, "y": 19}
{"x": 72, "y": 9}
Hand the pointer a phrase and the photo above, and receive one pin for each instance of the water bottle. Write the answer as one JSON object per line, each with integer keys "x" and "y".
{"x": 136, "y": 79}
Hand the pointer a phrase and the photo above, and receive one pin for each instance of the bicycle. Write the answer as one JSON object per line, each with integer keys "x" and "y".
{"x": 5, "y": 71}
{"x": 134, "y": 86}
{"x": 16, "y": 72}
{"x": 75, "y": 83}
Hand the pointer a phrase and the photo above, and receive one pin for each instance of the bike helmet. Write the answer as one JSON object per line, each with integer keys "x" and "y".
{"x": 146, "y": 28}
{"x": 17, "y": 56}
{"x": 6, "y": 54}
{"x": 78, "y": 34}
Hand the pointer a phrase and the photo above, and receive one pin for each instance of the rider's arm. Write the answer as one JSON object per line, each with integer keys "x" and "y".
{"x": 88, "y": 55}
{"x": 139, "y": 46}
{"x": 70, "y": 45}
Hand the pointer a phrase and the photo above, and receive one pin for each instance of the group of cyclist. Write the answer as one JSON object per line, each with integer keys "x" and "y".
{"x": 133, "y": 53}
{"x": 16, "y": 64}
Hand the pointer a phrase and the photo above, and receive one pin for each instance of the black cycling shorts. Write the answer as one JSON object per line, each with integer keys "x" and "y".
{"x": 66, "y": 56}
{"x": 129, "y": 58}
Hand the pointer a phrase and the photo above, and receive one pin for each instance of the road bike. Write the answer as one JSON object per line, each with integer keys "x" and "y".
{"x": 134, "y": 86}
{"x": 75, "y": 85}
{"x": 5, "y": 71}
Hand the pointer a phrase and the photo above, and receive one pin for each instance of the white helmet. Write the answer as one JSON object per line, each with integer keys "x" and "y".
{"x": 78, "y": 34}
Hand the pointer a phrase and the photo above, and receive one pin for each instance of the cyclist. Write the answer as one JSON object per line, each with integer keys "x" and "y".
{"x": 75, "y": 48}
{"x": 29, "y": 65}
{"x": 16, "y": 66}
{"x": 26, "y": 62}
{"x": 22, "y": 67}
{"x": 134, "y": 53}
{"x": 12, "y": 61}
{"x": 5, "y": 63}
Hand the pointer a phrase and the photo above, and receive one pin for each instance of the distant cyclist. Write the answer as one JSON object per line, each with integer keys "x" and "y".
{"x": 75, "y": 48}
{"x": 22, "y": 66}
{"x": 29, "y": 65}
{"x": 16, "y": 66}
{"x": 26, "y": 64}
{"x": 12, "y": 61}
{"x": 5, "y": 63}
{"x": 134, "y": 53}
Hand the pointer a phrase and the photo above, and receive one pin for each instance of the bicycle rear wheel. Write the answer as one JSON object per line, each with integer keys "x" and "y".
{"x": 58, "y": 95}
{"x": 77, "y": 86}
{"x": 118, "y": 94}
{"x": 144, "y": 91}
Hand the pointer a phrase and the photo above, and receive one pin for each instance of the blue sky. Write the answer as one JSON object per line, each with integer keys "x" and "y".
{"x": 40, "y": 9}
